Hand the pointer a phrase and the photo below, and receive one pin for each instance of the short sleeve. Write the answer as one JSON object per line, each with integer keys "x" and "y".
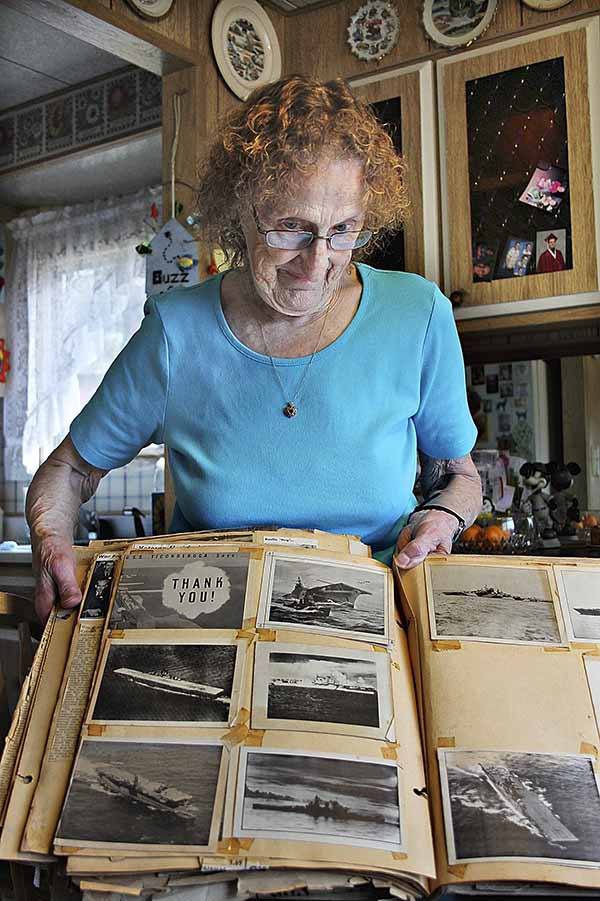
{"x": 127, "y": 412}
{"x": 445, "y": 429}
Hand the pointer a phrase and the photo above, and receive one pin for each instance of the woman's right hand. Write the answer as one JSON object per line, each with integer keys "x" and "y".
{"x": 54, "y": 571}
{"x": 59, "y": 487}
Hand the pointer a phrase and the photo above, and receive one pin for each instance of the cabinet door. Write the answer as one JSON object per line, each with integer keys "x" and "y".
{"x": 519, "y": 191}
{"x": 404, "y": 100}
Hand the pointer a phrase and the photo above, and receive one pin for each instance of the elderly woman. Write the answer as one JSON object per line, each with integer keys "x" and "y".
{"x": 297, "y": 387}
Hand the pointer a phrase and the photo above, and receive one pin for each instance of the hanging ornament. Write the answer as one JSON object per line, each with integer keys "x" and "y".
{"x": 4, "y": 360}
{"x": 171, "y": 262}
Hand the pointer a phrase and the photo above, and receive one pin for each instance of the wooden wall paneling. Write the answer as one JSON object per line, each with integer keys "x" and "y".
{"x": 317, "y": 39}
{"x": 316, "y": 42}
{"x": 507, "y": 20}
{"x": 523, "y": 320}
{"x": 407, "y": 86}
{"x": 454, "y": 73}
{"x": 177, "y": 26}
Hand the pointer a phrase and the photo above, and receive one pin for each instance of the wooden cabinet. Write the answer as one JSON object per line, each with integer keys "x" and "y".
{"x": 404, "y": 100}
{"x": 519, "y": 147}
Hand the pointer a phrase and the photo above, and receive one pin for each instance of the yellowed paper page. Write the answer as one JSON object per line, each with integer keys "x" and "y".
{"x": 69, "y": 714}
{"x": 512, "y": 741}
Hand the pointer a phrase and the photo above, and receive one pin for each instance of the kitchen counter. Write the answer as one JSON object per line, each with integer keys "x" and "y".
{"x": 16, "y": 575}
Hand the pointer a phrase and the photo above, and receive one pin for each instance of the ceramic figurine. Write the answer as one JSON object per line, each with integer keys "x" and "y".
{"x": 564, "y": 507}
{"x": 536, "y": 477}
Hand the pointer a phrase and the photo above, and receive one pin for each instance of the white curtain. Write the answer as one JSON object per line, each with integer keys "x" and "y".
{"x": 75, "y": 295}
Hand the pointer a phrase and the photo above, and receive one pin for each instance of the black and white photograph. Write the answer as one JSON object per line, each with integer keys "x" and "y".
{"x": 331, "y": 798}
{"x": 579, "y": 591}
{"x": 181, "y": 591}
{"x": 506, "y": 372}
{"x": 320, "y": 689}
{"x": 325, "y": 596}
{"x": 511, "y": 805}
{"x": 97, "y": 595}
{"x": 507, "y": 604}
{"x": 173, "y": 684}
{"x": 153, "y": 793}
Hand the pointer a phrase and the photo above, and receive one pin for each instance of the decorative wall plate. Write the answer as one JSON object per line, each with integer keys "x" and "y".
{"x": 545, "y": 4}
{"x": 245, "y": 46}
{"x": 151, "y": 9}
{"x": 457, "y": 23}
{"x": 374, "y": 30}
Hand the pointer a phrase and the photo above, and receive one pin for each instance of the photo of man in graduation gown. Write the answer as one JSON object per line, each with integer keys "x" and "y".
{"x": 551, "y": 260}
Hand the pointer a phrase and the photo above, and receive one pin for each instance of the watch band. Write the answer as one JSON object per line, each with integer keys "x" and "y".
{"x": 423, "y": 508}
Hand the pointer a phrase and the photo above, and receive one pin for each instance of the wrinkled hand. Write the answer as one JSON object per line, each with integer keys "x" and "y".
{"x": 429, "y": 532}
{"x": 54, "y": 571}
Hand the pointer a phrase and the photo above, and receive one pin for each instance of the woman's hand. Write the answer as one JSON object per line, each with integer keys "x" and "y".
{"x": 429, "y": 532}
{"x": 54, "y": 571}
{"x": 58, "y": 488}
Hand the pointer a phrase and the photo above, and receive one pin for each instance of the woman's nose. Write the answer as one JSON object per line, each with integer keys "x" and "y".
{"x": 317, "y": 254}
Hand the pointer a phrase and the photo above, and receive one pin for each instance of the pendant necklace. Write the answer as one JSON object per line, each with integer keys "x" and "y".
{"x": 291, "y": 409}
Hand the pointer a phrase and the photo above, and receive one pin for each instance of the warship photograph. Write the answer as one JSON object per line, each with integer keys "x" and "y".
{"x": 493, "y": 603}
{"x": 154, "y": 795}
{"x": 310, "y": 797}
{"x": 503, "y": 804}
{"x": 175, "y": 683}
{"x": 147, "y": 793}
{"x": 322, "y": 688}
{"x": 314, "y": 594}
{"x": 181, "y": 591}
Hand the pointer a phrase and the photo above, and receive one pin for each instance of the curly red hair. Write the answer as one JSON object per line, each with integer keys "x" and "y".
{"x": 281, "y": 133}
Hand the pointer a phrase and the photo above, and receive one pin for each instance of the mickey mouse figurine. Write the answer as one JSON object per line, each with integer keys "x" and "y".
{"x": 564, "y": 507}
{"x": 536, "y": 477}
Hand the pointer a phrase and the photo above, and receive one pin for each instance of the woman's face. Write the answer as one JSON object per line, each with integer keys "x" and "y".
{"x": 300, "y": 282}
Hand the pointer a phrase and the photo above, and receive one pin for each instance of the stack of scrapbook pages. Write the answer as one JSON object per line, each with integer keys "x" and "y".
{"x": 254, "y": 709}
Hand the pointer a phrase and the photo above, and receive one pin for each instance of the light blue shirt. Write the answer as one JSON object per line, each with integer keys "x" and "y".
{"x": 391, "y": 382}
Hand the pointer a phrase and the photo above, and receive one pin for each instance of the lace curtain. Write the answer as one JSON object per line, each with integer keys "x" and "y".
{"x": 74, "y": 296}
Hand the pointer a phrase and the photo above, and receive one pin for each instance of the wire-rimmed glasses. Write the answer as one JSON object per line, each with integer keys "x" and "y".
{"x": 300, "y": 240}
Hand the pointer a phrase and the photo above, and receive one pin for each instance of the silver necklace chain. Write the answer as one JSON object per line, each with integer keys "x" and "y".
{"x": 291, "y": 409}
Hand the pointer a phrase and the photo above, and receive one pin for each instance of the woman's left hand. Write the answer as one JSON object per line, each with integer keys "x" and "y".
{"x": 429, "y": 532}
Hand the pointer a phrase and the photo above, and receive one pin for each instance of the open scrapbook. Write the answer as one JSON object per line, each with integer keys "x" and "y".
{"x": 266, "y": 700}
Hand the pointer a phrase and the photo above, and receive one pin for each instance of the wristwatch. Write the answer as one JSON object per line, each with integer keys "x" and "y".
{"x": 423, "y": 508}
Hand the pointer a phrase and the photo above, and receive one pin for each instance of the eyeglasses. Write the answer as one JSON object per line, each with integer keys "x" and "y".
{"x": 300, "y": 240}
